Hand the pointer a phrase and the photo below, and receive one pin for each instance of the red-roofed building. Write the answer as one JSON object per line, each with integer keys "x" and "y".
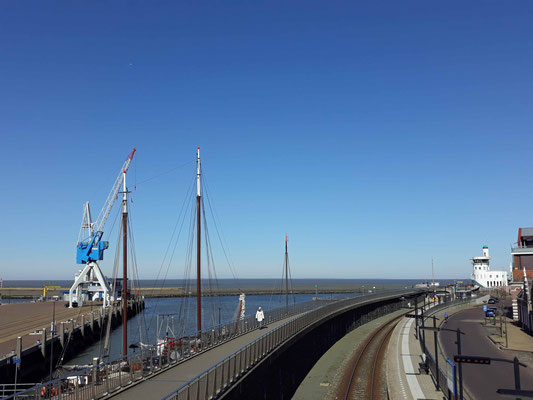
{"x": 523, "y": 255}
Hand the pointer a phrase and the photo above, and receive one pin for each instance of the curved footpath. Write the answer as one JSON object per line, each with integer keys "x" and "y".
{"x": 158, "y": 386}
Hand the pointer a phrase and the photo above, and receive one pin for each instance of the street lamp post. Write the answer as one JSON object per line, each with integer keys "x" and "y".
{"x": 506, "y": 337}
{"x": 436, "y": 351}
{"x": 458, "y": 343}
{"x": 416, "y": 317}
{"x": 422, "y": 324}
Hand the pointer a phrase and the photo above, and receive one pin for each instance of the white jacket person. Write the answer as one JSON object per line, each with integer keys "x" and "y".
{"x": 259, "y": 315}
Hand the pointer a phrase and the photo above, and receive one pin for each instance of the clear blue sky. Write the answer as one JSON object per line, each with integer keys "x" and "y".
{"x": 377, "y": 135}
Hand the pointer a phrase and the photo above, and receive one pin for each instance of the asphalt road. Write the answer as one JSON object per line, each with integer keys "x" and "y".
{"x": 481, "y": 381}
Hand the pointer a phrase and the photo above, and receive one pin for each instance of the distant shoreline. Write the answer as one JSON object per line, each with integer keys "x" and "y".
{"x": 229, "y": 282}
{"x": 179, "y": 291}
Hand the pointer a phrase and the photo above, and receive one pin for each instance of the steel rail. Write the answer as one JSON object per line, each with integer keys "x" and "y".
{"x": 390, "y": 324}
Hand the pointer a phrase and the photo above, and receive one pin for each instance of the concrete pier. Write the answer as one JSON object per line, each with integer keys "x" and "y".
{"x": 22, "y": 336}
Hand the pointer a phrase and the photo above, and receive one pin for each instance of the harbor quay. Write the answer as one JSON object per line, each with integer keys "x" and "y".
{"x": 27, "y": 334}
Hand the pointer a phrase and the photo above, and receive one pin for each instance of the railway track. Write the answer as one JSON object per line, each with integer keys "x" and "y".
{"x": 366, "y": 380}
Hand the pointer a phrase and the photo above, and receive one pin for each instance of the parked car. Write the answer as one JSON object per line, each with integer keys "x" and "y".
{"x": 491, "y": 301}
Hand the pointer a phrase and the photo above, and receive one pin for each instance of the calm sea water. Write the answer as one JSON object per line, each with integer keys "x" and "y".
{"x": 144, "y": 326}
{"x": 181, "y": 319}
{"x": 147, "y": 283}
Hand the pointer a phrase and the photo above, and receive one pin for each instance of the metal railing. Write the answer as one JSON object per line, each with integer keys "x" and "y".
{"x": 223, "y": 374}
{"x": 105, "y": 378}
{"x": 7, "y": 389}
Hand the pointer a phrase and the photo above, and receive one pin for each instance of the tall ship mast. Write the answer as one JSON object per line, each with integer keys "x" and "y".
{"x": 124, "y": 266}
{"x": 286, "y": 278}
{"x": 198, "y": 244}
{"x": 286, "y": 268}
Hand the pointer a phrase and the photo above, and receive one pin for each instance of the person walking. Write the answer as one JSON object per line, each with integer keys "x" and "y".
{"x": 445, "y": 317}
{"x": 260, "y": 316}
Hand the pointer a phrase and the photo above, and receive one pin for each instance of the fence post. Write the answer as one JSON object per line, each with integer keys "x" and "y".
{"x": 96, "y": 361}
{"x": 62, "y": 334}
{"x": 206, "y": 385}
{"x": 43, "y": 341}
{"x": 107, "y": 388}
{"x": 222, "y": 375}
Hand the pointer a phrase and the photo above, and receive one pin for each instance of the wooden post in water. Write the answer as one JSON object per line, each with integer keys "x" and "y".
{"x": 43, "y": 343}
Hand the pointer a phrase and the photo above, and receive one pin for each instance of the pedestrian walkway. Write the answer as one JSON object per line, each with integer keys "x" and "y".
{"x": 516, "y": 338}
{"x": 158, "y": 386}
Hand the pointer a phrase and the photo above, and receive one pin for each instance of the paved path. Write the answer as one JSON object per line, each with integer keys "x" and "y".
{"x": 162, "y": 384}
{"x": 481, "y": 381}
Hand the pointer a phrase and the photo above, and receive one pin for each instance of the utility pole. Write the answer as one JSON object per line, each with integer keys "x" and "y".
{"x": 416, "y": 317}
{"x": 436, "y": 350}
{"x": 458, "y": 355}
{"x": 422, "y": 324}
{"x": 433, "y": 277}
{"x": 198, "y": 246}
{"x": 460, "y": 364}
{"x": 124, "y": 267}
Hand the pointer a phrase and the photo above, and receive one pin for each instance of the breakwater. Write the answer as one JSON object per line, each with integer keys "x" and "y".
{"x": 180, "y": 291}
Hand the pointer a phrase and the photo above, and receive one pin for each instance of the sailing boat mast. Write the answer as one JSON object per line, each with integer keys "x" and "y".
{"x": 198, "y": 245}
{"x": 432, "y": 274}
{"x": 286, "y": 274}
{"x": 124, "y": 267}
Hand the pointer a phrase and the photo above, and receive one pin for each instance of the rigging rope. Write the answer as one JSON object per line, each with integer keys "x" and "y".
{"x": 221, "y": 237}
{"x": 181, "y": 218}
{"x": 163, "y": 173}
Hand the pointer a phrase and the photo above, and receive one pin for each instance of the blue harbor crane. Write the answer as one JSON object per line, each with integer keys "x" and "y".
{"x": 90, "y": 246}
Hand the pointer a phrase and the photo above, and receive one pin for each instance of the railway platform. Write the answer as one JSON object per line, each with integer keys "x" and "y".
{"x": 397, "y": 375}
{"x": 406, "y": 379}
{"x": 330, "y": 376}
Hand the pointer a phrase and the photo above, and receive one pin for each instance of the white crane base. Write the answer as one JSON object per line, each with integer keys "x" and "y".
{"x": 84, "y": 279}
